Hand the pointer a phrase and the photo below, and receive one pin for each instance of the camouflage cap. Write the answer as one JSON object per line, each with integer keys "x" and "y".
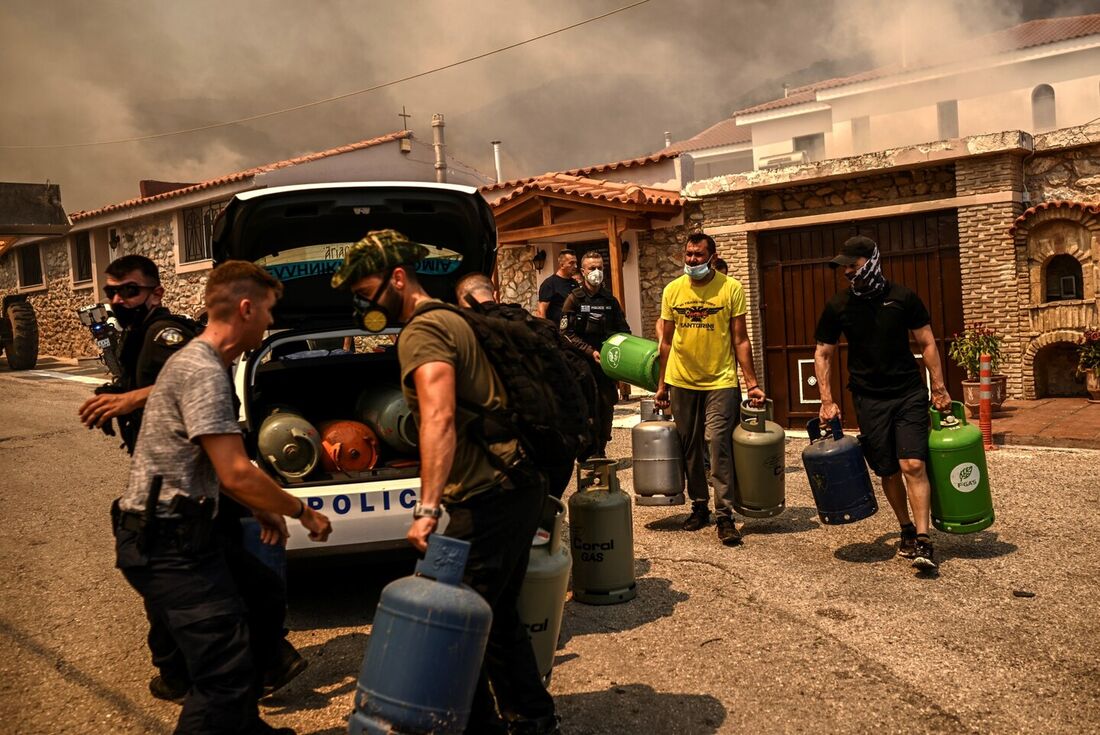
{"x": 379, "y": 250}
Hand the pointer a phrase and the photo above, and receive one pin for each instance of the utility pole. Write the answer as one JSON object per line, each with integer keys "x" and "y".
{"x": 440, "y": 147}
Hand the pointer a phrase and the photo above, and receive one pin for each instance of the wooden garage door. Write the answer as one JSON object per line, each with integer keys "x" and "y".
{"x": 919, "y": 251}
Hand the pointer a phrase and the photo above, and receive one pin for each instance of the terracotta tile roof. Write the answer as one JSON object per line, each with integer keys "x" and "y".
{"x": 242, "y": 175}
{"x": 727, "y": 132}
{"x": 1085, "y": 208}
{"x": 587, "y": 170}
{"x": 1017, "y": 38}
{"x": 608, "y": 191}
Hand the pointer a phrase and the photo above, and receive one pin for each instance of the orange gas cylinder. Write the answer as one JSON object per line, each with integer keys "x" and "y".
{"x": 348, "y": 446}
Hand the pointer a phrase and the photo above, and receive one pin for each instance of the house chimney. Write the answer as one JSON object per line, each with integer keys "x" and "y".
{"x": 668, "y": 139}
{"x": 786, "y": 90}
{"x": 496, "y": 158}
{"x": 437, "y": 143}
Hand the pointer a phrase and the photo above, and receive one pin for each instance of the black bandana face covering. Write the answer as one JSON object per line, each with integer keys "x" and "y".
{"x": 868, "y": 280}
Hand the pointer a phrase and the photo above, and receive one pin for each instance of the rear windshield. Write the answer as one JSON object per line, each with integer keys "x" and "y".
{"x": 323, "y": 260}
{"x": 301, "y": 238}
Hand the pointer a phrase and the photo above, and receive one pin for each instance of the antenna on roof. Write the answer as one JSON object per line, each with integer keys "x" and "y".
{"x": 404, "y": 118}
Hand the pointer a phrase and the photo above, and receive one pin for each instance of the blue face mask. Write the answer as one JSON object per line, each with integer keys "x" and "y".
{"x": 697, "y": 272}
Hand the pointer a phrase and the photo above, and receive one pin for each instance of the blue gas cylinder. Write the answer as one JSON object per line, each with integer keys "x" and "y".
{"x": 838, "y": 475}
{"x": 425, "y": 649}
{"x": 272, "y": 555}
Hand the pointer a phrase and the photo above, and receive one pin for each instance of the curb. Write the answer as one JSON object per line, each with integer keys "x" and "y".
{"x": 1008, "y": 439}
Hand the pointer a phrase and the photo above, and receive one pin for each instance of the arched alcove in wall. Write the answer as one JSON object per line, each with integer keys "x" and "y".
{"x": 1063, "y": 278}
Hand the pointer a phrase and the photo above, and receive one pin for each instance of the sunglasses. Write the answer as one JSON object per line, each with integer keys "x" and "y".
{"x": 125, "y": 290}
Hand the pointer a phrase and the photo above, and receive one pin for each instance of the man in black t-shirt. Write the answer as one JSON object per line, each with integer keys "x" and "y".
{"x": 555, "y": 289}
{"x": 888, "y": 390}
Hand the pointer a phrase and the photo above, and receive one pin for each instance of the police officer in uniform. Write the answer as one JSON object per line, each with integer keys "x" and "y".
{"x": 589, "y": 316}
{"x": 150, "y": 335}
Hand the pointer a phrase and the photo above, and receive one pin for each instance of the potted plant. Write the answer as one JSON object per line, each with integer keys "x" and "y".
{"x": 967, "y": 350}
{"x": 1088, "y": 362}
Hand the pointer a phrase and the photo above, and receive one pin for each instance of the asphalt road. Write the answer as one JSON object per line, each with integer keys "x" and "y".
{"x": 804, "y": 628}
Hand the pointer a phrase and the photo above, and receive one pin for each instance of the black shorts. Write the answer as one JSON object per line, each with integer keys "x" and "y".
{"x": 892, "y": 429}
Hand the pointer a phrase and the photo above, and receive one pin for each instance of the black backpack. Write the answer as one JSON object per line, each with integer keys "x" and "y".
{"x": 549, "y": 410}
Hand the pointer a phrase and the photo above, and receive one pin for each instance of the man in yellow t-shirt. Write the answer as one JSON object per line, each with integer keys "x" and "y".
{"x": 703, "y": 338}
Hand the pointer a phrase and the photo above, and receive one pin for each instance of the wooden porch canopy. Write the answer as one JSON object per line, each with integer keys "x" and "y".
{"x": 557, "y": 205}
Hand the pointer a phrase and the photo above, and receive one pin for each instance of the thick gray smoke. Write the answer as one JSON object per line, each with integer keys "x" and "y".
{"x": 75, "y": 71}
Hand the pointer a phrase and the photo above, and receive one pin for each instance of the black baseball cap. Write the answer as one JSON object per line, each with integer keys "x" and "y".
{"x": 852, "y": 250}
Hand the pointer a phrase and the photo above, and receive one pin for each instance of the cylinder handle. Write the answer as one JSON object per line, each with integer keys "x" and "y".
{"x": 813, "y": 428}
{"x": 953, "y": 420}
{"x": 755, "y": 418}
{"x": 559, "y": 525}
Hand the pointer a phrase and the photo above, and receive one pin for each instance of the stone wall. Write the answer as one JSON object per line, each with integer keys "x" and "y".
{"x": 660, "y": 260}
{"x": 1064, "y": 174}
{"x": 154, "y": 237}
{"x": 898, "y": 187}
{"x": 60, "y": 332}
{"x": 518, "y": 280}
{"x": 8, "y": 276}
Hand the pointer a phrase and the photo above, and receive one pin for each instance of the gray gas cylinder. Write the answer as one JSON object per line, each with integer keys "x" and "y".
{"x": 601, "y": 536}
{"x": 649, "y": 411}
{"x": 658, "y": 462}
{"x": 542, "y": 597}
{"x": 758, "y": 457}
{"x": 289, "y": 444}
{"x": 383, "y": 408}
{"x": 425, "y": 650}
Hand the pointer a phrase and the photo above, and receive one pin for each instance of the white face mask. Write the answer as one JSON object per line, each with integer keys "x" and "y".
{"x": 697, "y": 272}
{"x": 595, "y": 276}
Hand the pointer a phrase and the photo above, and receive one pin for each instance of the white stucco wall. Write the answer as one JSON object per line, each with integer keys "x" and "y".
{"x": 776, "y": 136}
{"x": 989, "y": 99}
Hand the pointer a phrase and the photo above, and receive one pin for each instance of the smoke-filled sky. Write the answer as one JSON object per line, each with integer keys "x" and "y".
{"x": 73, "y": 71}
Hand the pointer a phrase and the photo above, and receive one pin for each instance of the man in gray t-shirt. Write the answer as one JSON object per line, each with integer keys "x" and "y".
{"x": 189, "y": 446}
{"x": 193, "y": 398}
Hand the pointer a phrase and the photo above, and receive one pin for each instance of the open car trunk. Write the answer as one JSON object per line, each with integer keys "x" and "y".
{"x": 300, "y": 234}
{"x": 304, "y": 377}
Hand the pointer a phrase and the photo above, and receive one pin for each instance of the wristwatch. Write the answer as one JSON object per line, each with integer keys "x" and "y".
{"x": 421, "y": 511}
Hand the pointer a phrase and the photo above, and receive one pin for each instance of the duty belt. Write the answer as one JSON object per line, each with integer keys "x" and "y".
{"x": 136, "y": 522}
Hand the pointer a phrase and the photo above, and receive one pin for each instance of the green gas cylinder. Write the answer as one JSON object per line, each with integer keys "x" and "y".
{"x": 961, "y": 501}
{"x": 759, "y": 463}
{"x": 601, "y": 534}
{"x": 630, "y": 359}
{"x": 542, "y": 597}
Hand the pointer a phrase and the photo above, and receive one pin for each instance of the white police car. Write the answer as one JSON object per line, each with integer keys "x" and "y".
{"x": 300, "y": 234}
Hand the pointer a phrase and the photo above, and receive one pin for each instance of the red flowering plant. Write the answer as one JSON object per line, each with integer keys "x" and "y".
{"x": 967, "y": 349}
{"x": 1088, "y": 354}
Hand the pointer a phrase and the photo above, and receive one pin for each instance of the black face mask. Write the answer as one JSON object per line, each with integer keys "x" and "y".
{"x": 128, "y": 316}
{"x": 372, "y": 314}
